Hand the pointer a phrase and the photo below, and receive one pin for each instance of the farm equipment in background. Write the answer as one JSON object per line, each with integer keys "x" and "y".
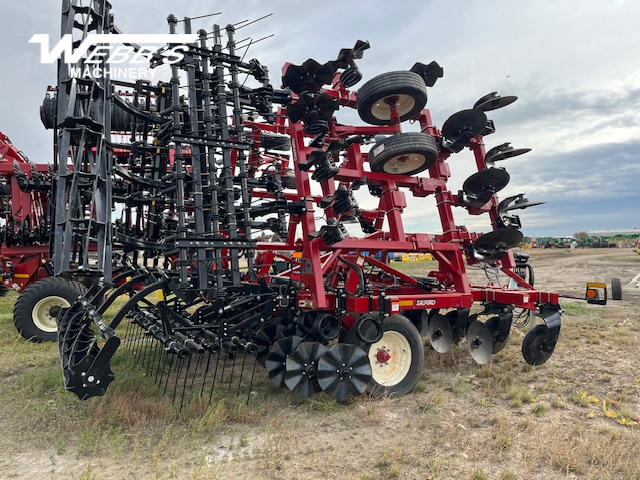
{"x": 595, "y": 242}
{"x": 199, "y": 165}
{"x": 25, "y": 191}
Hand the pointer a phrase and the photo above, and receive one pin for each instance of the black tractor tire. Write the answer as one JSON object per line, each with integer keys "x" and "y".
{"x": 404, "y": 154}
{"x": 400, "y": 373}
{"x": 616, "y": 289}
{"x": 408, "y": 86}
{"x": 35, "y": 311}
{"x": 272, "y": 141}
{"x": 288, "y": 180}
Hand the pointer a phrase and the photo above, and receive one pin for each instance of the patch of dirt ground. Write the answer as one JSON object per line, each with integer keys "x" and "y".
{"x": 573, "y": 417}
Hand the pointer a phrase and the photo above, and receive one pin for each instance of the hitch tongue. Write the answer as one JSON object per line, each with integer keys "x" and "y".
{"x": 596, "y": 293}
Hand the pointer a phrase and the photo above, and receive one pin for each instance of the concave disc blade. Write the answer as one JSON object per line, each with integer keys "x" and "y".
{"x": 301, "y": 369}
{"x": 524, "y": 204}
{"x": 479, "y": 342}
{"x": 502, "y": 239}
{"x": 277, "y": 358}
{"x": 470, "y": 121}
{"x": 493, "y": 324}
{"x": 264, "y": 338}
{"x": 294, "y": 78}
{"x": 489, "y": 180}
{"x": 344, "y": 371}
{"x": 440, "y": 333}
{"x": 534, "y": 346}
{"x": 494, "y": 101}
{"x": 297, "y": 111}
{"x": 458, "y": 326}
{"x": 496, "y": 154}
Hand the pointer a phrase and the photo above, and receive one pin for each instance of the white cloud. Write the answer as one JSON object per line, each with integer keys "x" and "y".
{"x": 573, "y": 65}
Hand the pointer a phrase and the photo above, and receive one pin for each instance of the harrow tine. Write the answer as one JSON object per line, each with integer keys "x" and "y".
{"x": 195, "y": 369}
{"x": 166, "y": 384}
{"x": 224, "y": 366}
{"x": 127, "y": 335}
{"x": 157, "y": 352}
{"x": 215, "y": 374}
{"x": 244, "y": 360}
{"x": 184, "y": 385}
{"x": 136, "y": 347}
{"x": 252, "y": 350}
{"x": 178, "y": 373}
{"x": 146, "y": 340}
{"x": 206, "y": 371}
{"x": 234, "y": 356}
{"x": 152, "y": 357}
{"x": 253, "y": 373}
{"x": 162, "y": 361}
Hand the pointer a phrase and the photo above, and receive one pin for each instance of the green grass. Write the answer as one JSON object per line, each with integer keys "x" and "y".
{"x": 541, "y": 422}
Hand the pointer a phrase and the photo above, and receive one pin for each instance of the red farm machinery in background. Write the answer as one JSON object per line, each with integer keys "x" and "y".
{"x": 24, "y": 246}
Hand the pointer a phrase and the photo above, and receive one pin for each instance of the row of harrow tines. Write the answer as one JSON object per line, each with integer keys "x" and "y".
{"x": 206, "y": 167}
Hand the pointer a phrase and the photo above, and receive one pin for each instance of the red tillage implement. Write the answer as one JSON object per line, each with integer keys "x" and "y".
{"x": 211, "y": 162}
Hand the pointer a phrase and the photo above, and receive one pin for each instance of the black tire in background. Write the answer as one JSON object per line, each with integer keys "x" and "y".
{"x": 408, "y": 86}
{"x": 35, "y": 311}
{"x": 404, "y": 154}
{"x": 616, "y": 289}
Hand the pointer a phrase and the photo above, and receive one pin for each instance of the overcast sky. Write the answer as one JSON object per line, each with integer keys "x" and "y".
{"x": 575, "y": 67}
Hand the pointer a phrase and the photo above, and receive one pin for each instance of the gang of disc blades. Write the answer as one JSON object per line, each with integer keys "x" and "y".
{"x": 488, "y": 180}
{"x": 479, "y": 342}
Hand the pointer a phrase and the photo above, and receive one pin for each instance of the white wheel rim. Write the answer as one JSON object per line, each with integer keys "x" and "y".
{"x": 382, "y": 110}
{"x": 41, "y": 313}
{"x": 404, "y": 163}
{"x": 396, "y": 347}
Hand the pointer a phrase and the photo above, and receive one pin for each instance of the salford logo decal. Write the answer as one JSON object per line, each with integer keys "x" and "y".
{"x": 425, "y": 303}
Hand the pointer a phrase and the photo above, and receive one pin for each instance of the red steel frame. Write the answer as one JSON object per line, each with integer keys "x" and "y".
{"x": 320, "y": 260}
